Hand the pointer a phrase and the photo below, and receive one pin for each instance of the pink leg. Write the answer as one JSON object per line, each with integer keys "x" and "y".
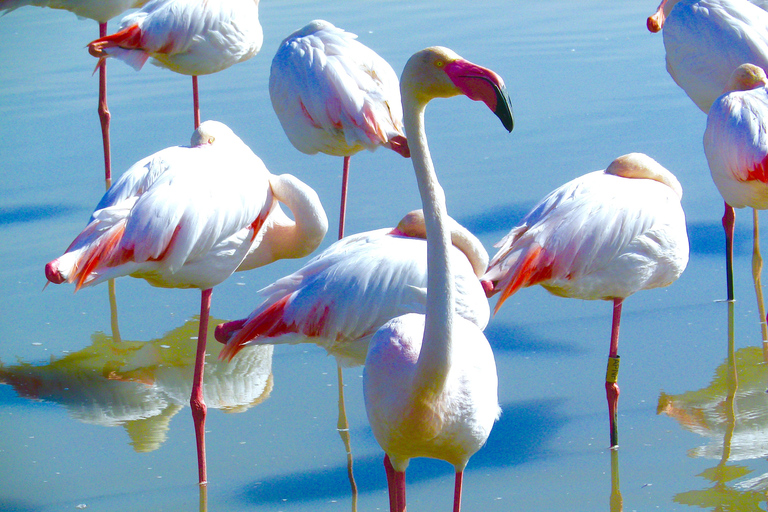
{"x": 104, "y": 115}
{"x": 457, "y": 491}
{"x": 344, "y": 183}
{"x": 195, "y": 101}
{"x": 612, "y": 374}
{"x": 729, "y": 221}
{"x": 196, "y": 400}
{"x": 396, "y": 485}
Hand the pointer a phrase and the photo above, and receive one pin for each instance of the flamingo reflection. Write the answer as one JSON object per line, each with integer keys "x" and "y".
{"x": 142, "y": 385}
{"x": 732, "y": 412}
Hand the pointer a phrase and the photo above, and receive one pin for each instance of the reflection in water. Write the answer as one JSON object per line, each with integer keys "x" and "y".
{"x": 733, "y": 413}
{"x": 142, "y": 385}
{"x": 616, "y": 502}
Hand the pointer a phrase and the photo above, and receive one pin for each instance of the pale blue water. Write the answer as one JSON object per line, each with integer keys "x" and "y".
{"x": 587, "y": 82}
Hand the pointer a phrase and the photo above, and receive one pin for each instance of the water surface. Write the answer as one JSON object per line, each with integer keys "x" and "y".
{"x": 587, "y": 82}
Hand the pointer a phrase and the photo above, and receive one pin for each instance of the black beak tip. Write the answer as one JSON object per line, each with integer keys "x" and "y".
{"x": 504, "y": 109}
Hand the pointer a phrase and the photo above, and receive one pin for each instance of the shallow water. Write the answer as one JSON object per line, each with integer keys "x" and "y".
{"x": 587, "y": 83}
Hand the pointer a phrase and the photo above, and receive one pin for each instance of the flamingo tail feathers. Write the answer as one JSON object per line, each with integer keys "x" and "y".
{"x": 269, "y": 323}
{"x": 532, "y": 269}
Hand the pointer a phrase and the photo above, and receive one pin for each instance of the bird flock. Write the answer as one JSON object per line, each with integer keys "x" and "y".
{"x": 409, "y": 303}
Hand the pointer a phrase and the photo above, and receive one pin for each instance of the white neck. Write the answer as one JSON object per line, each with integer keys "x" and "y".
{"x": 282, "y": 237}
{"x": 434, "y": 359}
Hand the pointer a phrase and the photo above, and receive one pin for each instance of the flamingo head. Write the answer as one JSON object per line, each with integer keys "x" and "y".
{"x": 438, "y": 72}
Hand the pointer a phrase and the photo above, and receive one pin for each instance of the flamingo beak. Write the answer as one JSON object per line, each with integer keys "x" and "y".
{"x": 482, "y": 84}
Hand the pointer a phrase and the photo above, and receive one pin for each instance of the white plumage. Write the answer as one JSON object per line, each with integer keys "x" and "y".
{"x": 339, "y": 298}
{"x": 191, "y": 37}
{"x": 600, "y": 236}
{"x": 705, "y": 40}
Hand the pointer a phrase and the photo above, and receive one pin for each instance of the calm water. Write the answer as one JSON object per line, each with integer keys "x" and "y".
{"x": 587, "y": 83}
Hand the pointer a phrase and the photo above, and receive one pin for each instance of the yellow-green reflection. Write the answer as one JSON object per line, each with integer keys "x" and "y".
{"x": 732, "y": 412}
{"x": 142, "y": 385}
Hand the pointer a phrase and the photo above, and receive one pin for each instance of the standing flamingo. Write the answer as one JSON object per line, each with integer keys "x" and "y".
{"x": 344, "y": 294}
{"x": 705, "y": 40}
{"x": 736, "y": 145}
{"x": 332, "y": 94}
{"x": 604, "y": 235}
{"x": 100, "y": 11}
{"x": 188, "y": 217}
{"x": 430, "y": 383}
{"x": 191, "y": 37}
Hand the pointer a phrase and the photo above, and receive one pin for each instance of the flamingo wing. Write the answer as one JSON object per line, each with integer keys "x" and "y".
{"x": 333, "y": 94}
{"x": 173, "y": 221}
{"x": 192, "y": 37}
{"x": 736, "y": 145}
{"x": 595, "y": 238}
{"x": 342, "y": 296}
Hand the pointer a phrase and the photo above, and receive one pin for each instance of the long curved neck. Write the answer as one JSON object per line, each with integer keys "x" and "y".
{"x": 434, "y": 359}
{"x": 282, "y": 237}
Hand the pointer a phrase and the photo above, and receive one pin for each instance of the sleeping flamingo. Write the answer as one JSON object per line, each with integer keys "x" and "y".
{"x": 191, "y": 37}
{"x": 100, "y": 11}
{"x": 605, "y": 235}
{"x": 332, "y": 94}
{"x": 430, "y": 382}
{"x": 188, "y": 217}
{"x": 344, "y": 294}
{"x": 705, "y": 40}
{"x": 736, "y": 145}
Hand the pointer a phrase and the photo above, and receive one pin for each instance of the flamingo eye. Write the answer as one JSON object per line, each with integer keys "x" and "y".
{"x": 439, "y": 63}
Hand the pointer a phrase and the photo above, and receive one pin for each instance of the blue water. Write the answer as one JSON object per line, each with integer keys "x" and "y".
{"x": 587, "y": 83}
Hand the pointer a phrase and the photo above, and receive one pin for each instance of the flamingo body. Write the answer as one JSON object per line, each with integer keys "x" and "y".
{"x": 736, "y": 144}
{"x": 172, "y": 221}
{"x": 98, "y": 10}
{"x": 343, "y": 295}
{"x": 332, "y": 94}
{"x": 190, "y": 37}
{"x": 600, "y": 236}
{"x": 705, "y": 40}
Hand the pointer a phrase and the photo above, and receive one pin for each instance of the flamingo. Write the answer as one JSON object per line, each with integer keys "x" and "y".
{"x": 332, "y": 94}
{"x": 191, "y": 37}
{"x": 429, "y": 382}
{"x": 100, "y": 11}
{"x": 736, "y": 145}
{"x": 188, "y": 217}
{"x": 344, "y": 294}
{"x": 604, "y": 235}
{"x": 705, "y": 40}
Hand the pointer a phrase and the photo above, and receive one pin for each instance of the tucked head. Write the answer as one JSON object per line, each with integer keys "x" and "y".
{"x": 640, "y": 165}
{"x": 209, "y": 131}
{"x": 746, "y": 77}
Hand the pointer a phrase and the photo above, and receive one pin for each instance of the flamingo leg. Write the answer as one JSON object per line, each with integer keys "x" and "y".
{"x": 616, "y": 501}
{"x": 612, "y": 374}
{"x": 195, "y": 101}
{"x": 757, "y": 268}
{"x": 342, "y": 426}
{"x": 729, "y": 221}
{"x": 457, "y": 491}
{"x": 344, "y": 183}
{"x": 196, "y": 402}
{"x": 396, "y": 486}
{"x": 104, "y": 115}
